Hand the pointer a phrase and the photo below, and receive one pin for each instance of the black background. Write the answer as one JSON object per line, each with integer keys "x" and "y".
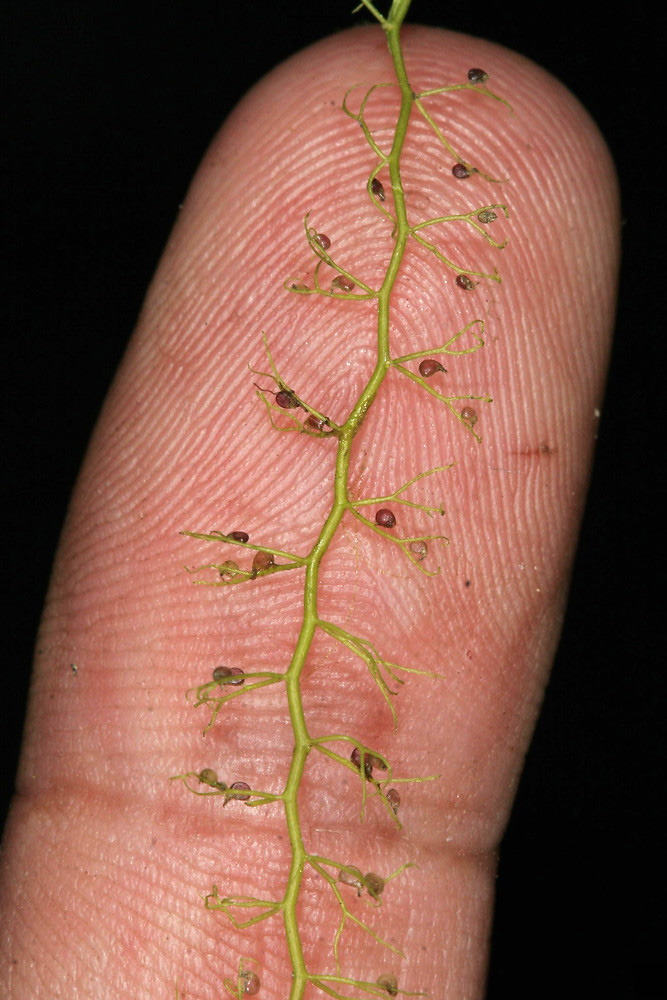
{"x": 110, "y": 106}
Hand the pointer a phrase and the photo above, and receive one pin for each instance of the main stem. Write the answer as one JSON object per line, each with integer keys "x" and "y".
{"x": 302, "y": 741}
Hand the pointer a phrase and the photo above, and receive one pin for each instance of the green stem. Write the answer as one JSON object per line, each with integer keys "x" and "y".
{"x": 302, "y": 740}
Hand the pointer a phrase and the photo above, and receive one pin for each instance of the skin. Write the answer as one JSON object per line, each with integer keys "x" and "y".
{"x": 105, "y": 860}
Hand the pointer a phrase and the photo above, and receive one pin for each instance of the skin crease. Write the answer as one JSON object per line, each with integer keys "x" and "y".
{"x": 105, "y": 861}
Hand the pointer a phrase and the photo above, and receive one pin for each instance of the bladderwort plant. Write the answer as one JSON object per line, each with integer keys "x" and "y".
{"x": 351, "y": 887}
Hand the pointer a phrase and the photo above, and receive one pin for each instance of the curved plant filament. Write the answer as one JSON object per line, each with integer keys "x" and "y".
{"x": 249, "y": 562}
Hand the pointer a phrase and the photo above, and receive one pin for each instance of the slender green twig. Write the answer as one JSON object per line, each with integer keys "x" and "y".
{"x": 287, "y": 413}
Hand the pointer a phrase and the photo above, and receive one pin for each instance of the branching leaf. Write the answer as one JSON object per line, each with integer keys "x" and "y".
{"x": 228, "y": 904}
{"x": 318, "y": 864}
{"x": 366, "y": 651}
{"x": 204, "y": 694}
{"x": 365, "y": 753}
{"x": 370, "y": 989}
{"x": 419, "y": 104}
{"x": 359, "y": 292}
{"x": 472, "y": 219}
{"x": 450, "y": 347}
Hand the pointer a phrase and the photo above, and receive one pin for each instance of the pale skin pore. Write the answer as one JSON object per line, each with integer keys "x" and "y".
{"x": 104, "y": 860}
